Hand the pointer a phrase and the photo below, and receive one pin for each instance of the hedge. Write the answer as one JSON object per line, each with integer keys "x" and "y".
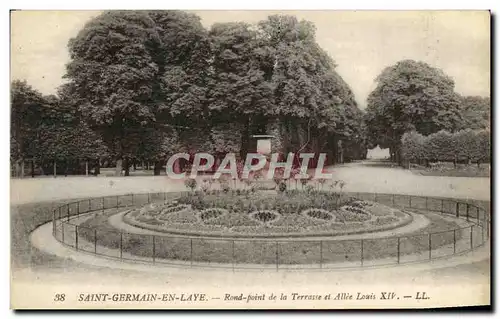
{"x": 463, "y": 146}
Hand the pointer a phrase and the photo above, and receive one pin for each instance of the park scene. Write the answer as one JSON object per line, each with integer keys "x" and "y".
{"x": 238, "y": 146}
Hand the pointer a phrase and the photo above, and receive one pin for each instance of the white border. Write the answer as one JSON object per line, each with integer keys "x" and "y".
{"x": 211, "y": 5}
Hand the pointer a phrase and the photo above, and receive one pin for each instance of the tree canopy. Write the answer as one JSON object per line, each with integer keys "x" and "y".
{"x": 148, "y": 83}
{"x": 411, "y": 95}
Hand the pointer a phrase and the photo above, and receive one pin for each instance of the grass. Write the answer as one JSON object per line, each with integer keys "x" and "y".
{"x": 448, "y": 169}
{"x": 24, "y": 219}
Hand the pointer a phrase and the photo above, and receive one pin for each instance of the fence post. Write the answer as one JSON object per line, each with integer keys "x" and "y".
{"x": 103, "y": 204}
{"x": 410, "y": 200}
{"x": 149, "y": 198}
{"x": 62, "y": 230}
{"x": 116, "y": 201}
{"x": 67, "y": 212}
{"x": 90, "y": 206}
{"x": 467, "y": 212}
{"x": 399, "y": 245}
{"x": 482, "y": 233}
{"x": 132, "y": 199}
{"x": 471, "y": 246}
{"x": 191, "y": 252}
{"x": 78, "y": 208}
{"x": 154, "y": 249}
{"x": 426, "y": 204}
{"x": 234, "y": 261}
{"x": 76, "y": 237}
{"x": 454, "y": 241}
{"x": 95, "y": 241}
{"x": 442, "y": 206}
{"x": 430, "y": 246}
{"x": 277, "y": 256}
{"x": 320, "y": 254}
{"x": 54, "y": 223}
{"x": 362, "y": 252}
{"x": 393, "y": 201}
{"x": 121, "y": 245}
{"x": 457, "y": 209}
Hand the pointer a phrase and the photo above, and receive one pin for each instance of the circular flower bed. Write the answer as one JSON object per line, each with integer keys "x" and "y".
{"x": 264, "y": 214}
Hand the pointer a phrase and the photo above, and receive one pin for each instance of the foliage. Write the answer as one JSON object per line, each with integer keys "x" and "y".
{"x": 476, "y": 112}
{"x": 282, "y": 187}
{"x": 465, "y": 145}
{"x": 190, "y": 183}
{"x": 145, "y": 84}
{"x": 411, "y": 96}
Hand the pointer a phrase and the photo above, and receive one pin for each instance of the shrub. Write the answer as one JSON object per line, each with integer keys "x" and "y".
{"x": 282, "y": 187}
{"x": 190, "y": 183}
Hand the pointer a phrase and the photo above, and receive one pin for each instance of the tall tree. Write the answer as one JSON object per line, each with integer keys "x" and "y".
{"x": 409, "y": 96}
{"x": 26, "y": 110}
{"x": 132, "y": 69}
{"x": 239, "y": 92}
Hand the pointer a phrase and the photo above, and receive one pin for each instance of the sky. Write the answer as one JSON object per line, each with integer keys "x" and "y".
{"x": 362, "y": 43}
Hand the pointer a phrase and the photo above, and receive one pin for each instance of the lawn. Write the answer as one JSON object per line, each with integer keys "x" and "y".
{"x": 448, "y": 169}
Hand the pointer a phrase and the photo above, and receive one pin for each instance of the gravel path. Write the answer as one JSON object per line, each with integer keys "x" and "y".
{"x": 359, "y": 177}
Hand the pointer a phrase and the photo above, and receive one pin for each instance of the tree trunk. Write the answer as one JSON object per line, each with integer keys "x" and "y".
{"x": 126, "y": 166}
{"x": 97, "y": 170}
{"x": 22, "y": 168}
{"x": 135, "y": 165}
{"x": 119, "y": 167}
{"x": 157, "y": 168}
{"x": 32, "y": 168}
{"x": 147, "y": 166}
{"x": 245, "y": 139}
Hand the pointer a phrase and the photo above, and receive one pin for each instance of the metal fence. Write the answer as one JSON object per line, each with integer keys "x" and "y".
{"x": 274, "y": 253}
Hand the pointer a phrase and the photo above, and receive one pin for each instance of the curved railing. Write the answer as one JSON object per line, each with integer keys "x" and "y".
{"x": 323, "y": 253}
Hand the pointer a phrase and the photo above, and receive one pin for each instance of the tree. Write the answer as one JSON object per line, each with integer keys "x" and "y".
{"x": 26, "y": 109}
{"x": 410, "y": 96}
{"x": 133, "y": 68}
{"x": 239, "y": 92}
{"x": 314, "y": 105}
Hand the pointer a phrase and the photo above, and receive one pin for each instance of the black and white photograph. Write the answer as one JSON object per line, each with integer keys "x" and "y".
{"x": 181, "y": 159}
